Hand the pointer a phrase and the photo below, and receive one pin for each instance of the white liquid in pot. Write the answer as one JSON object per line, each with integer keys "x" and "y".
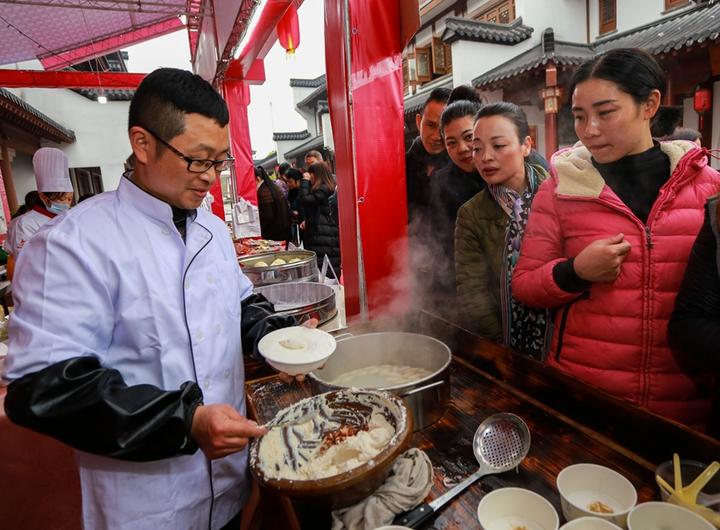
{"x": 381, "y": 376}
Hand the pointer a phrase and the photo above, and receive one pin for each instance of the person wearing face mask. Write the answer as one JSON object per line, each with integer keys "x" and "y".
{"x": 450, "y": 188}
{"x": 55, "y": 192}
{"x": 609, "y": 238}
{"x": 489, "y": 231}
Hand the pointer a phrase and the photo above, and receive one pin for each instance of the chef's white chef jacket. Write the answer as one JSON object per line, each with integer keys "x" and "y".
{"x": 23, "y": 228}
{"x": 112, "y": 278}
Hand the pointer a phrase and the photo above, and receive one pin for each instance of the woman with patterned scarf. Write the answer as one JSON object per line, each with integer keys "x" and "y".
{"x": 489, "y": 232}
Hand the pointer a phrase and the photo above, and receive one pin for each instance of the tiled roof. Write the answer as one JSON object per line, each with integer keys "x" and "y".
{"x": 474, "y": 30}
{"x": 415, "y": 103}
{"x": 271, "y": 159}
{"x": 316, "y": 142}
{"x": 16, "y": 111}
{"x": 308, "y": 83}
{"x": 319, "y": 93}
{"x": 563, "y": 53}
{"x": 290, "y": 136}
{"x": 694, "y": 26}
{"x": 686, "y": 28}
{"x": 111, "y": 94}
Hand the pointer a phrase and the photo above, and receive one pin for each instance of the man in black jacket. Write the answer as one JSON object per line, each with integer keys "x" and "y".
{"x": 426, "y": 154}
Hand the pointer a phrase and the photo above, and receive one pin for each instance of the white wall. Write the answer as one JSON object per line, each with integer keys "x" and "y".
{"x": 471, "y": 59}
{"x": 327, "y": 131}
{"x": 630, "y": 14}
{"x": 570, "y": 26}
{"x": 23, "y": 176}
{"x": 100, "y": 130}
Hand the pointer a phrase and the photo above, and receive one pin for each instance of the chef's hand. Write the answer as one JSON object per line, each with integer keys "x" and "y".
{"x": 220, "y": 430}
{"x": 287, "y": 378}
{"x": 602, "y": 260}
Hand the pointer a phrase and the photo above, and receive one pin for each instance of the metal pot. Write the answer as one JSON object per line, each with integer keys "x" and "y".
{"x": 427, "y": 398}
{"x": 305, "y": 270}
{"x": 303, "y": 300}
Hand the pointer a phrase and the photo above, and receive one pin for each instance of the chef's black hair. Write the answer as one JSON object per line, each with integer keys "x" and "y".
{"x": 166, "y": 95}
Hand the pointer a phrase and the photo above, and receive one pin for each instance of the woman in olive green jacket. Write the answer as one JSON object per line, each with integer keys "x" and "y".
{"x": 489, "y": 231}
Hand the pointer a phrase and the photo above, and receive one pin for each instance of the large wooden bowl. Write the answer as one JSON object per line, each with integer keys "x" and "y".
{"x": 352, "y": 486}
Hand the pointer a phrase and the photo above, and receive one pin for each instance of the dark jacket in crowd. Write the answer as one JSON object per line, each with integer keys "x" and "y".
{"x": 274, "y": 212}
{"x": 321, "y": 225}
{"x": 450, "y": 188}
{"x": 694, "y": 328}
{"x": 419, "y": 164}
{"x": 695, "y": 324}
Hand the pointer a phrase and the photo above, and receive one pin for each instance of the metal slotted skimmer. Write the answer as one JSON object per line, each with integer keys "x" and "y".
{"x": 500, "y": 443}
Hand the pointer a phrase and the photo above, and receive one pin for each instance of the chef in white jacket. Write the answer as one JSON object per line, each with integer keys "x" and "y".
{"x": 125, "y": 342}
{"x": 50, "y": 166}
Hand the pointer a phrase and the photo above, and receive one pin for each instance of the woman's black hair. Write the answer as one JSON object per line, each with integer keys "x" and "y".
{"x": 635, "y": 71}
{"x": 277, "y": 195}
{"x": 464, "y": 101}
{"x": 510, "y": 111}
{"x": 292, "y": 173}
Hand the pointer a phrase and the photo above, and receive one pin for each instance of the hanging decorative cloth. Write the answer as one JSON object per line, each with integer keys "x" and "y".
{"x": 525, "y": 329}
{"x": 288, "y": 30}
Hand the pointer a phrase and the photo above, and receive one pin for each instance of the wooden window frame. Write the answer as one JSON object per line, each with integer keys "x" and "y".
{"x": 672, "y": 4}
{"x": 609, "y": 25}
{"x": 494, "y": 11}
{"x": 439, "y": 57}
{"x": 423, "y": 64}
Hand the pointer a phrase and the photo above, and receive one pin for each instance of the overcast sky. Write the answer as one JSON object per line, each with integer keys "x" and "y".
{"x": 272, "y": 106}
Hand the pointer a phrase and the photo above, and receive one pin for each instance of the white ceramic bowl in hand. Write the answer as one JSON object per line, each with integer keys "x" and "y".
{"x": 662, "y": 515}
{"x": 297, "y": 350}
{"x": 587, "y": 489}
{"x": 516, "y": 508}
{"x": 589, "y": 523}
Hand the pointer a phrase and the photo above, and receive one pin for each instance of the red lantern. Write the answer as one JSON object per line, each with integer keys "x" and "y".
{"x": 288, "y": 30}
{"x": 702, "y": 103}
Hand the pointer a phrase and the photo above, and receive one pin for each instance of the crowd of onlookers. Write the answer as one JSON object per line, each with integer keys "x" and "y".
{"x": 587, "y": 262}
{"x": 300, "y": 206}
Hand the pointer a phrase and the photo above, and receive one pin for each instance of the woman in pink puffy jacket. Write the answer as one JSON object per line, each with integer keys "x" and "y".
{"x": 609, "y": 237}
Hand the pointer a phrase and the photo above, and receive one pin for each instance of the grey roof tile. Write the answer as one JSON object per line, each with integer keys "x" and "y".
{"x": 474, "y": 30}
{"x": 290, "y": 136}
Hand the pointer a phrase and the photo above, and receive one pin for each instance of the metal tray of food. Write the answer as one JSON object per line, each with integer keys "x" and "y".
{"x": 279, "y": 267}
{"x": 303, "y": 300}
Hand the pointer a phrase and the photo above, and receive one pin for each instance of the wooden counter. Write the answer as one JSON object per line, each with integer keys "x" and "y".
{"x": 559, "y": 438}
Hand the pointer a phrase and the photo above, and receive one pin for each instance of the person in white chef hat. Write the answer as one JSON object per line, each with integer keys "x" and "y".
{"x": 55, "y": 191}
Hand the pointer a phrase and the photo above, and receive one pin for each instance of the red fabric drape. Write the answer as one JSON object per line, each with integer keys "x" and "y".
{"x": 370, "y": 158}
{"x": 237, "y": 95}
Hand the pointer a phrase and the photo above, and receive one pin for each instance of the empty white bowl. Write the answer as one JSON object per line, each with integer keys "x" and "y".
{"x": 297, "y": 350}
{"x": 589, "y": 523}
{"x": 665, "y": 516}
{"x": 583, "y": 487}
{"x": 507, "y": 508}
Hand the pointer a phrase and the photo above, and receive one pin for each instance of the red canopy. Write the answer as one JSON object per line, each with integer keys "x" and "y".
{"x": 60, "y": 34}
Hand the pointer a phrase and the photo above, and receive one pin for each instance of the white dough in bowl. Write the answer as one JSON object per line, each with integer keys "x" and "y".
{"x": 297, "y": 345}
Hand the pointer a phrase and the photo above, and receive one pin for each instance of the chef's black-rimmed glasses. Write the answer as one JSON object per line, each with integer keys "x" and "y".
{"x": 195, "y": 165}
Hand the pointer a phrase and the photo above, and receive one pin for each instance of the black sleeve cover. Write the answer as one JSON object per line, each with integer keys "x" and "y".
{"x": 91, "y": 408}
{"x": 694, "y": 327}
{"x": 258, "y": 319}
